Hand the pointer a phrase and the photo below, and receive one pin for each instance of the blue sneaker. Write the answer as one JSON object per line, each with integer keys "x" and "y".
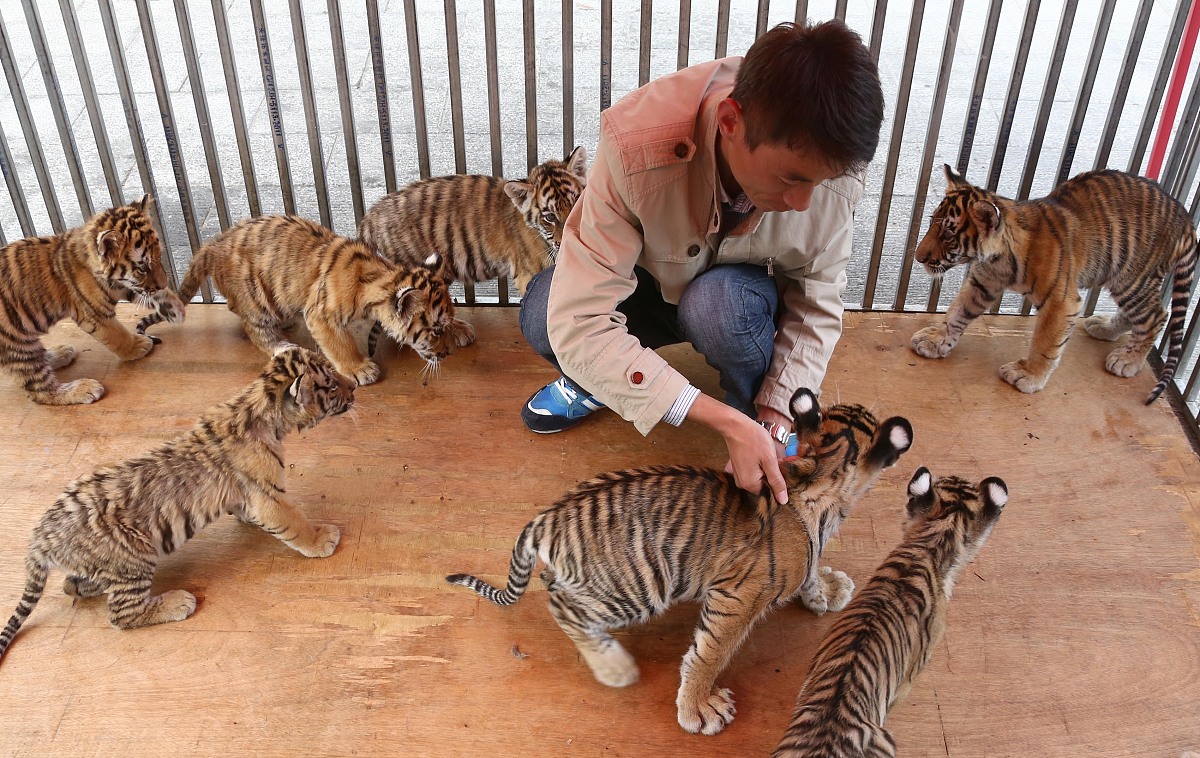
{"x": 557, "y": 407}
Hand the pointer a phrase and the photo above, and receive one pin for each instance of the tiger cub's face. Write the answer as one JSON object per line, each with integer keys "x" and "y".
{"x": 546, "y": 198}
{"x": 130, "y": 257}
{"x": 421, "y": 312}
{"x": 963, "y": 227}
{"x": 849, "y": 445}
{"x": 312, "y": 389}
{"x": 956, "y": 506}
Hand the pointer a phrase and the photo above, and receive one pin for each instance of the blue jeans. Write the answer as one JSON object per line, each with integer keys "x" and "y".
{"x": 728, "y": 314}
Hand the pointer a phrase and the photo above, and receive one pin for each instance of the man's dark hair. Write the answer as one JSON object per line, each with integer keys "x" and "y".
{"x": 812, "y": 88}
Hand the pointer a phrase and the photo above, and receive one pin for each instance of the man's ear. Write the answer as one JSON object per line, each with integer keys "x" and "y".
{"x": 730, "y": 119}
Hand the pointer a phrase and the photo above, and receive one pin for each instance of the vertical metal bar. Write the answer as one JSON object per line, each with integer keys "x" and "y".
{"x": 644, "y": 41}
{"x": 493, "y": 85}
{"x": 58, "y": 108}
{"x": 982, "y": 65}
{"x": 897, "y": 138}
{"x": 196, "y": 84}
{"x": 1170, "y": 46}
{"x": 15, "y": 193}
{"x": 83, "y": 70}
{"x": 722, "y": 28}
{"x": 236, "y": 108}
{"x": 1014, "y": 91}
{"x": 801, "y": 16}
{"x": 1116, "y": 109}
{"x": 17, "y": 90}
{"x": 418, "y": 88}
{"x": 266, "y": 64}
{"x": 568, "y": 77}
{"x": 1084, "y": 98}
{"x": 531, "y": 136}
{"x": 308, "y": 99}
{"x": 760, "y": 19}
{"x": 134, "y": 123}
{"x": 931, "y": 141}
{"x": 877, "y": 21}
{"x": 685, "y": 34}
{"x": 606, "y": 23}
{"x": 349, "y": 136}
{"x": 454, "y": 67}
{"x": 839, "y": 11}
{"x": 170, "y": 133}
{"x": 1187, "y": 121}
{"x": 381, "y": 98}
{"x": 1047, "y": 102}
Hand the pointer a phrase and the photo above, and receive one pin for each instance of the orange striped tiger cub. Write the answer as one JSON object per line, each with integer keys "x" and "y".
{"x": 883, "y": 639}
{"x": 1099, "y": 229}
{"x": 110, "y": 528}
{"x": 482, "y": 226}
{"x": 625, "y": 546}
{"x": 272, "y": 269}
{"x": 80, "y": 274}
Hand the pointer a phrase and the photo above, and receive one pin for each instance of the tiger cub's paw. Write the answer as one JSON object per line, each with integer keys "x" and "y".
{"x": 614, "y": 667}
{"x": 60, "y": 355}
{"x": 1122, "y": 362}
{"x": 710, "y": 715}
{"x": 1101, "y": 328}
{"x": 462, "y": 332}
{"x": 175, "y": 605}
{"x": 830, "y": 592}
{"x": 140, "y": 348}
{"x": 932, "y": 342}
{"x": 78, "y": 392}
{"x": 1022, "y": 378}
{"x": 324, "y": 543}
{"x": 368, "y": 373}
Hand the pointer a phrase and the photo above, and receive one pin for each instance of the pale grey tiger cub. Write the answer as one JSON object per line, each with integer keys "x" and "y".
{"x": 883, "y": 639}
{"x": 110, "y": 528}
{"x": 625, "y": 546}
{"x": 483, "y": 227}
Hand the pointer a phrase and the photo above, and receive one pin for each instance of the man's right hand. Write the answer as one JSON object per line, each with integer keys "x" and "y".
{"x": 753, "y": 454}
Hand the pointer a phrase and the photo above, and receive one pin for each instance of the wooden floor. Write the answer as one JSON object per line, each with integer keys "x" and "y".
{"x": 1075, "y": 632}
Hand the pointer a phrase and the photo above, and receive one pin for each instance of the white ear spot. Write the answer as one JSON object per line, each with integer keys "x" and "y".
{"x": 899, "y": 438}
{"x": 919, "y": 487}
{"x": 805, "y": 403}
{"x": 295, "y": 388}
{"x": 432, "y": 259}
{"x": 997, "y": 494}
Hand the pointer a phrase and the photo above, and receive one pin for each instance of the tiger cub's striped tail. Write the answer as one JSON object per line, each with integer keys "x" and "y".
{"x": 37, "y": 567}
{"x": 523, "y": 560}
{"x": 1185, "y": 273}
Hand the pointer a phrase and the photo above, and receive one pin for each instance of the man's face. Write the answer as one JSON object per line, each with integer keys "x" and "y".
{"x": 775, "y": 178}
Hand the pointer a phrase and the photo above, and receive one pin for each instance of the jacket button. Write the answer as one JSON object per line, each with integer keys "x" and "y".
{"x": 693, "y": 251}
{"x": 681, "y": 150}
{"x": 636, "y": 377}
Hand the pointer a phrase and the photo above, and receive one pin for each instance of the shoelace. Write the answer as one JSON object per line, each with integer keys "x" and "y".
{"x": 570, "y": 394}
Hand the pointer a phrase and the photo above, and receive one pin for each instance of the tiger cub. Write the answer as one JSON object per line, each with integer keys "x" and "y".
{"x": 80, "y": 274}
{"x": 480, "y": 233}
{"x": 1103, "y": 228}
{"x": 110, "y": 528}
{"x": 625, "y": 546}
{"x": 883, "y": 639}
{"x": 272, "y": 269}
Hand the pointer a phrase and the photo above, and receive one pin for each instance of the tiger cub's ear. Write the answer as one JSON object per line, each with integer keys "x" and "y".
{"x": 521, "y": 193}
{"x": 577, "y": 164}
{"x": 953, "y": 180}
{"x": 986, "y": 216}
{"x": 920, "y": 493}
{"x": 303, "y": 391}
{"x": 144, "y": 204}
{"x": 995, "y": 496}
{"x": 893, "y": 438}
{"x": 806, "y": 413}
{"x": 409, "y": 302}
{"x": 109, "y": 243}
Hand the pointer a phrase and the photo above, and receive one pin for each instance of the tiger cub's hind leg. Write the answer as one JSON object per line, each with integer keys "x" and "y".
{"x": 1107, "y": 328}
{"x": 82, "y": 586}
{"x": 60, "y": 356}
{"x": 610, "y": 663}
{"x": 130, "y": 604}
{"x": 1143, "y": 311}
{"x": 34, "y": 366}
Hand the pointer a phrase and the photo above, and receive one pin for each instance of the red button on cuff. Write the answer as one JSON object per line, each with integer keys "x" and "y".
{"x": 636, "y": 377}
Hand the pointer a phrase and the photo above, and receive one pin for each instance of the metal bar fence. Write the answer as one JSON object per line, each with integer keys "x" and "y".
{"x": 410, "y": 100}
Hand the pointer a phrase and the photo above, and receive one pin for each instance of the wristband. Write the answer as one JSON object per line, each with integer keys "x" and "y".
{"x": 778, "y": 432}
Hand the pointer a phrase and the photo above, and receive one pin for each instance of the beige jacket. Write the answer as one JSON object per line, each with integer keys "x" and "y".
{"x": 651, "y": 201}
